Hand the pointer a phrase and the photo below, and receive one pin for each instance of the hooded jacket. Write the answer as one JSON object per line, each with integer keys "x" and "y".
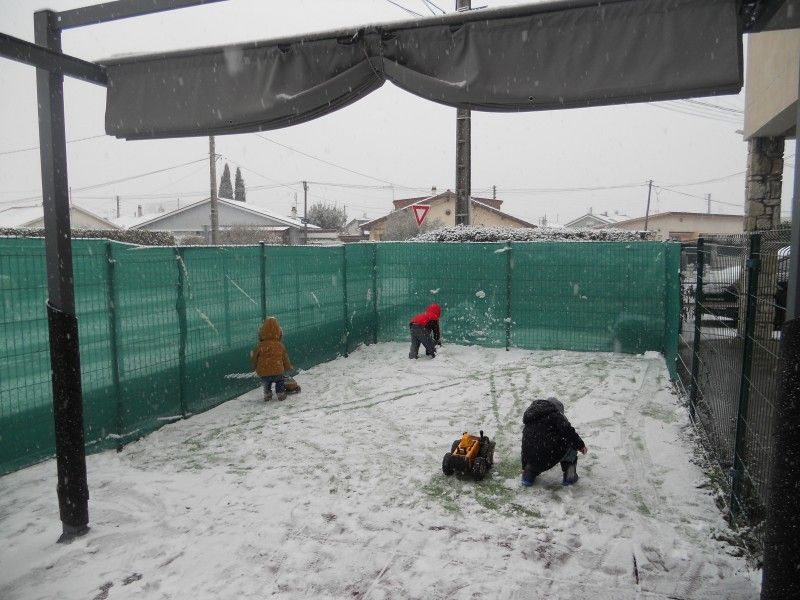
{"x": 429, "y": 320}
{"x": 269, "y": 356}
{"x": 546, "y": 435}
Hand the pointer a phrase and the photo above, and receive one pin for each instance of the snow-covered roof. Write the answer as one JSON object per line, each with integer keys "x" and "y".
{"x": 602, "y": 219}
{"x": 240, "y": 206}
{"x": 20, "y": 216}
{"x": 25, "y": 216}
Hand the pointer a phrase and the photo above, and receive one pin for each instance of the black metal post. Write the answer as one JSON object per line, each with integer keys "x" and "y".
{"x": 263, "y": 281}
{"x": 226, "y": 299}
{"x": 698, "y": 319}
{"x": 375, "y": 323}
{"x": 183, "y": 334}
{"x": 72, "y": 488}
{"x": 509, "y": 268}
{"x": 740, "y": 444}
{"x": 782, "y": 527}
{"x": 113, "y": 341}
{"x": 345, "y": 324}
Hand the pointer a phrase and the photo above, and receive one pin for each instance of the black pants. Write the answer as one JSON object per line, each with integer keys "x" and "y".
{"x": 420, "y": 335}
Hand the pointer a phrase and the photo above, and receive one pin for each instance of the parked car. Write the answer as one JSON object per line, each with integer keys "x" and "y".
{"x": 721, "y": 290}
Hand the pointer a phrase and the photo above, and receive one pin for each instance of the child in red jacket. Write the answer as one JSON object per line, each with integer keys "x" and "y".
{"x": 422, "y": 326}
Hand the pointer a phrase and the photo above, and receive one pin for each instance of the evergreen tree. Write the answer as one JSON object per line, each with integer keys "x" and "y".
{"x": 225, "y": 187}
{"x": 239, "y": 192}
{"x": 327, "y": 216}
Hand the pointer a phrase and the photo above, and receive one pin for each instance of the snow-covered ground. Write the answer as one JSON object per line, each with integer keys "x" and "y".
{"x": 338, "y": 493}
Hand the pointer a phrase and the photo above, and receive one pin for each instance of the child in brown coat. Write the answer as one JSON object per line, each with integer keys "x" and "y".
{"x": 270, "y": 360}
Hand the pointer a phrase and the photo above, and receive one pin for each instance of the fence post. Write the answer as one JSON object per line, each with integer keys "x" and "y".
{"x": 346, "y": 336}
{"x": 740, "y": 445}
{"x": 180, "y": 307}
{"x": 113, "y": 335}
{"x": 226, "y": 297}
{"x": 509, "y": 268}
{"x": 698, "y": 317}
{"x": 374, "y": 292}
{"x": 263, "y": 281}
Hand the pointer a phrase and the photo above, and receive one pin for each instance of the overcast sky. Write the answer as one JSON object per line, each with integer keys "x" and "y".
{"x": 390, "y": 144}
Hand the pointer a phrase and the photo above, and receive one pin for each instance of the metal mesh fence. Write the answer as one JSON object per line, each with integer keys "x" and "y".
{"x": 167, "y": 332}
{"x": 734, "y": 302}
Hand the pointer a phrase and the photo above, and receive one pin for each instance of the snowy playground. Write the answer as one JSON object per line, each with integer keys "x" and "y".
{"x": 338, "y": 492}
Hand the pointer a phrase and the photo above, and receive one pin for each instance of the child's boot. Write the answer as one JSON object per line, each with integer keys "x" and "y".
{"x": 281, "y": 395}
{"x": 527, "y": 478}
{"x": 570, "y": 472}
{"x": 267, "y": 395}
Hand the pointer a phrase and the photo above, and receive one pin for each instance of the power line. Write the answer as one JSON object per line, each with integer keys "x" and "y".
{"x": 570, "y": 189}
{"x": 434, "y": 5}
{"x": 715, "y": 106}
{"x": 112, "y": 182}
{"x": 93, "y": 137}
{"x": 401, "y": 7}
{"x": 703, "y": 198}
{"x": 327, "y": 162}
{"x": 425, "y": 4}
{"x": 693, "y": 113}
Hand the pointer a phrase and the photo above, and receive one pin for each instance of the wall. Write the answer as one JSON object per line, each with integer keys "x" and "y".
{"x": 773, "y": 60}
{"x": 687, "y": 226}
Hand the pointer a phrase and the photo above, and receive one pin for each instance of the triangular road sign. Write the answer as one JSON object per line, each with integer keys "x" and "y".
{"x": 420, "y": 212}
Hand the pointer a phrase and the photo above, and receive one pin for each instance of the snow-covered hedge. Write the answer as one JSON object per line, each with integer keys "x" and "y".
{"x": 476, "y": 233}
{"x": 141, "y": 237}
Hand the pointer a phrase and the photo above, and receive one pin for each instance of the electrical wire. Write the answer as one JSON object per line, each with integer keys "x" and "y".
{"x": 703, "y": 198}
{"x": 434, "y": 5}
{"x": 327, "y": 162}
{"x": 401, "y": 7}
{"x": 690, "y": 112}
{"x": 93, "y": 137}
{"x": 425, "y": 4}
{"x": 112, "y": 182}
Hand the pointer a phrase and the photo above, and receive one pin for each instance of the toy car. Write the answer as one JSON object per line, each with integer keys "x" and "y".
{"x": 292, "y": 387}
{"x": 470, "y": 454}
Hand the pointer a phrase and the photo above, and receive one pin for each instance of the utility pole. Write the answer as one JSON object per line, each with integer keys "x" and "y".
{"x": 494, "y": 192}
{"x": 463, "y": 153}
{"x": 305, "y": 213}
{"x": 118, "y": 206}
{"x": 212, "y": 159}
{"x": 708, "y": 197}
{"x": 647, "y": 212}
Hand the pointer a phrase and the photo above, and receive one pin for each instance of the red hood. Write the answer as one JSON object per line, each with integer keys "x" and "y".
{"x": 435, "y": 310}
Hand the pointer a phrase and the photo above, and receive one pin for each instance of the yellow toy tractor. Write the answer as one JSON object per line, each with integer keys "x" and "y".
{"x": 470, "y": 454}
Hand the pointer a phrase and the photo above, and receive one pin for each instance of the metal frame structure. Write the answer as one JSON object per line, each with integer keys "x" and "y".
{"x": 52, "y": 65}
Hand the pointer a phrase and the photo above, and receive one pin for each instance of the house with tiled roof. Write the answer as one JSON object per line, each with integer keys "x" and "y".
{"x": 194, "y": 220}
{"x": 32, "y": 217}
{"x": 485, "y": 212}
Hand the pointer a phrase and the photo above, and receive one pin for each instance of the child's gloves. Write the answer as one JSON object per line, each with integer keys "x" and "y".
{"x": 584, "y": 450}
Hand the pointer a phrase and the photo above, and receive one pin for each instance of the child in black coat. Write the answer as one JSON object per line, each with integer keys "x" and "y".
{"x": 548, "y": 438}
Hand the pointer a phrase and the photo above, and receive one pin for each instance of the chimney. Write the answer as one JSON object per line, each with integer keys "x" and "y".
{"x": 433, "y": 191}
{"x": 294, "y": 212}
{"x": 590, "y": 210}
{"x": 139, "y": 211}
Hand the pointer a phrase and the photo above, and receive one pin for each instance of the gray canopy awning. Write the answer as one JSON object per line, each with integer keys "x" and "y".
{"x": 562, "y": 54}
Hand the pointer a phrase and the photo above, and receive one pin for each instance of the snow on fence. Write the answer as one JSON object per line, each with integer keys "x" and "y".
{"x": 162, "y": 329}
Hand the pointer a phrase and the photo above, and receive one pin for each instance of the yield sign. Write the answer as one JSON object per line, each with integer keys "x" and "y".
{"x": 420, "y": 212}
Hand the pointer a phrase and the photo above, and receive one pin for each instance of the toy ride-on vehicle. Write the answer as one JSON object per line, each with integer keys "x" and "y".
{"x": 470, "y": 454}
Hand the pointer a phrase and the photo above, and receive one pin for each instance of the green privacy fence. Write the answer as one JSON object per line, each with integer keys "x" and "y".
{"x": 166, "y": 332}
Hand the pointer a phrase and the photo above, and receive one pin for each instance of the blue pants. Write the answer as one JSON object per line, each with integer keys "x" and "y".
{"x": 278, "y": 380}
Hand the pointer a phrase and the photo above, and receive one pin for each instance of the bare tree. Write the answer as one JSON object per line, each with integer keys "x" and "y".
{"x": 327, "y": 216}
{"x": 401, "y": 225}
